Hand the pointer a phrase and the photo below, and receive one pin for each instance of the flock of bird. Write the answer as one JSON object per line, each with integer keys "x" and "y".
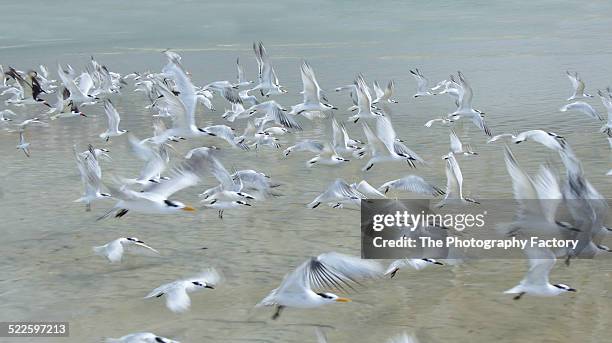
{"x": 173, "y": 99}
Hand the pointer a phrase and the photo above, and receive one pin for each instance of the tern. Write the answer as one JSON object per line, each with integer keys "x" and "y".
{"x": 176, "y": 292}
{"x": 23, "y": 144}
{"x": 329, "y": 270}
{"x": 582, "y": 107}
{"x": 342, "y": 143}
{"x": 458, "y": 148}
{"x": 454, "y": 183}
{"x": 274, "y": 112}
{"x": 606, "y": 99}
{"x": 412, "y": 183}
{"x": 422, "y": 83}
{"x": 535, "y": 282}
{"x": 337, "y": 192}
{"x": 549, "y": 139}
{"x": 416, "y": 263}
{"x": 577, "y": 86}
{"x": 79, "y": 94}
{"x": 141, "y": 337}
{"x": 91, "y": 176}
{"x": 364, "y": 101}
{"x": 311, "y": 103}
{"x": 268, "y": 83}
{"x": 384, "y": 147}
{"x": 113, "y": 119}
{"x": 384, "y": 95}
{"x": 114, "y": 250}
{"x": 465, "y": 109}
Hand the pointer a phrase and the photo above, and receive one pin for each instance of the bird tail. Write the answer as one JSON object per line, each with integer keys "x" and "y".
{"x": 99, "y": 250}
{"x": 607, "y": 130}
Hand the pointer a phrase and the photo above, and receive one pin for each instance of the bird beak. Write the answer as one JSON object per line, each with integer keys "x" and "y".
{"x": 343, "y": 300}
{"x": 188, "y": 209}
{"x": 209, "y": 286}
{"x": 572, "y": 290}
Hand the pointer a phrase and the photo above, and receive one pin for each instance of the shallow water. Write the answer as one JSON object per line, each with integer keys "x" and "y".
{"x": 513, "y": 53}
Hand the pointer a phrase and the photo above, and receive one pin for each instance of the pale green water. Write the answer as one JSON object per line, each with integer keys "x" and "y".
{"x": 514, "y": 55}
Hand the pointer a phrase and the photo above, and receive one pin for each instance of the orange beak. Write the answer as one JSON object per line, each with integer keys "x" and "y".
{"x": 188, "y": 209}
{"x": 343, "y": 300}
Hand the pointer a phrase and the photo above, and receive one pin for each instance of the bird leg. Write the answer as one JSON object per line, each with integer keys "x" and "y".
{"x": 518, "y": 296}
{"x": 276, "y": 314}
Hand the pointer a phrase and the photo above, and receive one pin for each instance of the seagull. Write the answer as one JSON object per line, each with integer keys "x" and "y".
{"x": 176, "y": 292}
{"x": 416, "y": 263}
{"x": 113, "y": 250}
{"x": 338, "y": 192}
{"x": 140, "y": 337}
{"x": 328, "y": 270}
{"x": 549, "y": 139}
{"x": 535, "y": 282}
{"x": 384, "y": 96}
{"x": 457, "y": 148}
{"x": 268, "y": 82}
{"x": 465, "y": 109}
{"x": 384, "y": 147}
{"x": 583, "y": 107}
{"x": 113, "y": 121}
{"x": 364, "y": 101}
{"x": 91, "y": 176}
{"x": 577, "y": 85}
{"x": 23, "y": 145}
{"x": 312, "y": 95}
{"x": 606, "y": 99}
{"x": 412, "y": 183}
{"x": 454, "y": 183}
{"x": 422, "y": 83}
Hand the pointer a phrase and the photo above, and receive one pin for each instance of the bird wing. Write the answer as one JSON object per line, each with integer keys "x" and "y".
{"x": 182, "y": 179}
{"x": 541, "y": 261}
{"x": 455, "y": 143}
{"x": 85, "y": 83}
{"x": 111, "y": 115}
{"x": 177, "y": 299}
{"x": 311, "y": 88}
{"x": 185, "y": 88}
{"x": 386, "y": 133}
{"x": 549, "y": 192}
{"x": 413, "y": 183}
{"x": 336, "y": 271}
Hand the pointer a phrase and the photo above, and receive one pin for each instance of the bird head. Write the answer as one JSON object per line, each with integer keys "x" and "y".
{"x": 331, "y": 297}
{"x": 177, "y": 205}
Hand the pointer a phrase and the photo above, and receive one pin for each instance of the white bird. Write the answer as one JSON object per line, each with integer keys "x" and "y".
{"x": 327, "y": 156}
{"x": 454, "y": 183}
{"x": 311, "y": 105}
{"x": 412, "y": 183}
{"x": 583, "y": 107}
{"x": 114, "y": 250}
{"x": 550, "y": 140}
{"x": 23, "y": 145}
{"x": 81, "y": 93}
{"x": 329, "y": 270}
{"x": 150, "y": 154}
{"x": 273, "y": 112}
{"x": 384, "y": 146}
{"x": 368, "y": 191}
{"x": 5, "y": 113}
{"x": 337, "y": 192}
{"x": 141, "y": 337}
{"x": 384, "y": 96}
{"x": 364, "y": 101}
{"x": 91, "y": 175}
{"x": 305, "y": 145}
{"x": 606, "y": 99}
{"x": 422, "y": 83}
{"x": 240, "y": 79}
{"x": 154, "y": 199}
{"x": 222, "y": 205}
{"x": 538, "y": 201}
{"x": 403, "y": 338}
{"x": 416, "y": 263}
{"x": 535, "y": 282}
{"x": 268, "y": 82}
{"x": 465, "y": 109}
{"x": 227, "y": 134}
{"x": 342, "y": 143}
{"x": 176, "y": 292}
{"x": 457, "y": 148}
{"x": 113, "y": 121}
{"x": 577, "y": 85}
